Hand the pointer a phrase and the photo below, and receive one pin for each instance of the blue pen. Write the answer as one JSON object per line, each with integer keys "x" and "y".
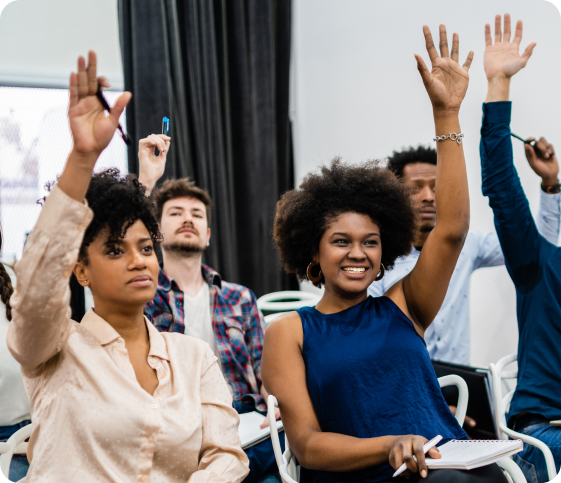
{"x": 165, "y": 125}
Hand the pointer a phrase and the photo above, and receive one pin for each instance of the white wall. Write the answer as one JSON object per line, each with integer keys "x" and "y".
{"x": 356, "y": 93}
{"x": 40, "y": 41}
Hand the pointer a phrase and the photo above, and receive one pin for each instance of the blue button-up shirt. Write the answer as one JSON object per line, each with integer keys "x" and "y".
{"x": 534, "y": 265}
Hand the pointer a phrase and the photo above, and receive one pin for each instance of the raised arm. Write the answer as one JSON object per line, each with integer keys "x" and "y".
{"x": 41, "y": 314}
{"x": 421, "y": 293}
{"x": 520, "y": 241}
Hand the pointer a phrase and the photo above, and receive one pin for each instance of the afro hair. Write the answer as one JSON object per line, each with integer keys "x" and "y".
{"x": 303, "y": 214}
{"x": 117, "y": 202}
{"x": 420, "y": 154}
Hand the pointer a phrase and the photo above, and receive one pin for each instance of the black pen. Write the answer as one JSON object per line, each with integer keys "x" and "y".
{"x": 531, "y": 143}
{"x": 105, "y": 105}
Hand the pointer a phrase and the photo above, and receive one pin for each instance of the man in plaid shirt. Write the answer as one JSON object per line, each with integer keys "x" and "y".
{"x": 193, "y": 299}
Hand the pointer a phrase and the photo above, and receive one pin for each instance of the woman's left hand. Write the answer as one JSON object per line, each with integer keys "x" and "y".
{"x": 447, "y": 82}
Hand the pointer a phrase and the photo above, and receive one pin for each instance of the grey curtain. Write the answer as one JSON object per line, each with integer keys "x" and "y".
{"x": 219, "y": 69}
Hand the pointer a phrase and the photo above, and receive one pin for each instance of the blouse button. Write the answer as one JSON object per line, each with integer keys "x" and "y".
{"x": 154, "y": 406}
{"x": 143, "y": 478}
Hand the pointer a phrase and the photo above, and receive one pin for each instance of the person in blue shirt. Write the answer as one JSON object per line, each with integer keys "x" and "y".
{"x": 533, "y": 263}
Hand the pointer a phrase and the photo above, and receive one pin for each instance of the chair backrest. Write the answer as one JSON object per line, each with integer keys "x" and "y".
{"x": 502, "y": 405}
{"x": 286, "y": 300}
{"x": 286, "y": 461}
{"x": 15, "y": 444}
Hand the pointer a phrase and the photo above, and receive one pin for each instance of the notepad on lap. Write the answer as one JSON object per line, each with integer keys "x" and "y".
{"x": 249, "y": 430}
{"x": 467, "y": 455}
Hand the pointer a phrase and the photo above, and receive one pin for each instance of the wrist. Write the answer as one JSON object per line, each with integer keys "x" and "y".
{"x": 550, "y": 185}
{"x": 85, "y": 161}
{"x": 498, "y": 89}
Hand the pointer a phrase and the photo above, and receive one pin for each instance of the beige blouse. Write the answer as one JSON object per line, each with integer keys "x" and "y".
{"x": 93, "y": 421}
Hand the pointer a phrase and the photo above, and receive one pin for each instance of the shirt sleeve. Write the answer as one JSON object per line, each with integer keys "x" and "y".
{"x": 222, "y": 459}
{"x": 522, "y": 245}
{"x": 489, "y": 252}
{"x": 377, "y": 289}
{"x": 254, "y": 335}
{"x": 548, "y": 216}
{"x": 41, "y": 312}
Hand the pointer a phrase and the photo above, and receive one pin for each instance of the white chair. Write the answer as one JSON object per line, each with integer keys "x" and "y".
{"x": 501, "y": 406}
{"x": 287, "y": 300}
{"x": 16, "y": 444}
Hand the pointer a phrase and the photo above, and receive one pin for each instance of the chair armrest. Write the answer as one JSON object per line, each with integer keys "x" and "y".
{"x": 463, "y": 394}
{"x": 549, "y": 461}
{"x": 512, "y": 469}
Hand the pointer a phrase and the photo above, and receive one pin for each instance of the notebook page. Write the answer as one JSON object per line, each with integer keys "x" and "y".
{"x": 466, "y": 453}
{"x": 249, "y": 430}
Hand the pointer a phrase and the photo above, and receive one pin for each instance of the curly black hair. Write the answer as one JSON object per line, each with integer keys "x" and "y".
{"x": 303, "y": 214}
{"x": 400, "y": 159}
{"x": 117, "y": 201}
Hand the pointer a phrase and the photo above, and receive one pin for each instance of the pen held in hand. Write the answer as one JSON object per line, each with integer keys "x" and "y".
{"x": 431, "y": 444}
{"x": 531, "y": 143}
{"x": 105, "y": 105}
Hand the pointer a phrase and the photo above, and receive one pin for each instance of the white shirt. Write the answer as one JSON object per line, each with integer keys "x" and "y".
{"x": 448, "y": 337}
{"x": 14, "y": 403}
{"x": 197, "y": 320}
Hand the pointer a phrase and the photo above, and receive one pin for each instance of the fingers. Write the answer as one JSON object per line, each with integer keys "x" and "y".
{"x": 545, "y": 149}
{"x": 157, "y": 141}
{"x": 518, "y": 33}
{"x": 434, "y": 453}
{"x": 420, "y": 454}
{"x": 455, "y": 47}
{"x": 469, "y": 422}
{"x": 408, "y": 449}
{"x": 467, "y": 63}
{"x": 528, "y": 52}
{"x": 506, "y": 36}
{"x": 73, "y": 88}
{"x": 119, "y": 107}
{"x": 92, "y": 73}
{"x": 488, "y": 40}
{"x": 530, "y": 153}
{"x": 264, "y": 424}
{"x": 82, "y": 78}
{"x": 103, "y": 82}
{"x": 498, "y": 33}
{"x": 431, "y": 49}
{"x": 443, "y": 41}
{"x": 425, "y": 73}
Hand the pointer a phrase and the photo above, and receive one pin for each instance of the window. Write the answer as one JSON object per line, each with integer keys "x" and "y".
{"x": 35, "y": 141}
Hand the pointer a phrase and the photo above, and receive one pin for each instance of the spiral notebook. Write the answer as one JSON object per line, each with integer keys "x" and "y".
{"x": 470, "y": 454}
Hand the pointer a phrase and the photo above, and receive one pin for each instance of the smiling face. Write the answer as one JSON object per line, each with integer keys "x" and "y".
{"x": 350, "y": 252}
{"x": 184, "y": 225}
{"x": 421, "y": 179}
{"x": 122, "y": 272}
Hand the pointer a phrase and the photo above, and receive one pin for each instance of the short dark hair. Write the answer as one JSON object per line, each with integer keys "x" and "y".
{"x": 421, "y": 154}
{"x": 303, "y": 214}
{"x": 180, "y": 188}
{"x": 117, "y": 201}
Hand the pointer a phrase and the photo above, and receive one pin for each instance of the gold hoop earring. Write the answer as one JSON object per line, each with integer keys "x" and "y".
{"x": 381, "y": 273}
{"x": 311, "y": 278}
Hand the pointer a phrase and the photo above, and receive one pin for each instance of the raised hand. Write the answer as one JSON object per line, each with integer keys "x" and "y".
{"x": 543, "y": 161}
{"x": 502, "y": 59}
{"x": 151, "y": 167}
{"x": 91, "y": 129}
{"x": 447, "y": 82}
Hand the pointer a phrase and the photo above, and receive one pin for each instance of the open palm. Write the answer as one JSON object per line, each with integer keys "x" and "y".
{"x": 92, "y": 130}
{"x": 447, "y": 82}
{"x": 502, "y": 58}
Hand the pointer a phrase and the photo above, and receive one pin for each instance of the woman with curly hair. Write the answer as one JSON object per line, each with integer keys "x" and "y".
{"x": 356, "y": 389}
{"x": 112, "y": 399}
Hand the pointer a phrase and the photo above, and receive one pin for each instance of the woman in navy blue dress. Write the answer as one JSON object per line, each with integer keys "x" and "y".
{"x": 355, "y": 385}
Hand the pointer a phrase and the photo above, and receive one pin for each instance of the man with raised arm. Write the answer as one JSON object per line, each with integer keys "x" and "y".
{"x": 448, "y": 338}
{"x": 533, "y": 263}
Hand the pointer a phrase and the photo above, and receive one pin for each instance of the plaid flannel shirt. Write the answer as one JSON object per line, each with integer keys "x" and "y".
{"x": 238, "y": 328}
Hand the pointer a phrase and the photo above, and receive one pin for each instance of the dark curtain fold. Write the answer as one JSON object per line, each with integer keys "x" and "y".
{"x": 219, "y": 69}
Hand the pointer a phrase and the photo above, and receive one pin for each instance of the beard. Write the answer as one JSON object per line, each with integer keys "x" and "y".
{"x": 185, "y": 248}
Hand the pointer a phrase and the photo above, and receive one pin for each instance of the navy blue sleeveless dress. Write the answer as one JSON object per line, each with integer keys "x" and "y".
{"x": 369, "y": 374}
